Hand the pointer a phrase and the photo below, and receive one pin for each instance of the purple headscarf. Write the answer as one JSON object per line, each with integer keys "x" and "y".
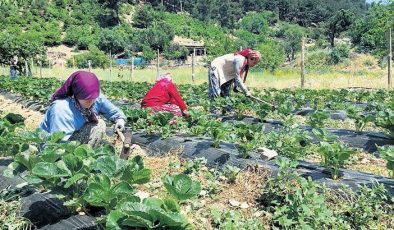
{"x": 80, "y": 85}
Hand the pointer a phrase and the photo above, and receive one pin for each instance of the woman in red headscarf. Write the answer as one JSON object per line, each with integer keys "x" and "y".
{"x": 75, "y": 106}
{"x": 164, "y": 97}
{"x": 228, "y": 69}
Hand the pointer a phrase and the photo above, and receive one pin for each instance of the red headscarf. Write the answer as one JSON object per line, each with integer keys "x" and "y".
{"x": 246, "y": 53}
{"x": 245, "y": 67}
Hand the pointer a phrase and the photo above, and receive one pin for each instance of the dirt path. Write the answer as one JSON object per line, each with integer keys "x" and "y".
{"x": 33, "y": 118}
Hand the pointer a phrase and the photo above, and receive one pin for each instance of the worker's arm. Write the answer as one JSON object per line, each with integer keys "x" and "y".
{"x": 239, "y": 64}
{"x": 175, "y": 97}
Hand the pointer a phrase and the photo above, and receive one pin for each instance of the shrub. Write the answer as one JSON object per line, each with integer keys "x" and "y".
{"x": 97, "y": 57}
{"x": 175, "y": 51}
{"x": 81, "y": 36}
{"x": 316, "y": 58}
{"x": 339, "y": 54}
{"x": 295, "y": 201}
{"x": 273, "y": 55}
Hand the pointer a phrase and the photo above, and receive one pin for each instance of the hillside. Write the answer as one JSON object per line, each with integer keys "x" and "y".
{"x": 142, "y": 27}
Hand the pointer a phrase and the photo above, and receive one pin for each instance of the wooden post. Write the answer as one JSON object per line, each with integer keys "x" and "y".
{"x": 32, "y": 67}
{"x": 193, "y": 63}
{"x": 110, "y": 65}
{"x": 40, "y": 68}
{"x": 26, "y": 69}
{"x": 302, "y": 63}
{"x": 389, "y": 58}
{"x": 90, "y": 65}
{"x": 131, "y": 68}
{"x": 158, "y": 64}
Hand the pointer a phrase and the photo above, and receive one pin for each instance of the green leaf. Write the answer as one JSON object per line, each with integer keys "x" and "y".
{"x": 27, "y": 160}
{"x": 171, "y": 204}
{"x": 153, "y": 202}
{"x": 49, "y": 155}
{"x": 57, "y": 136}
{"x": 112, "y": 220}
{"x": 98, "y": 192}
{"x": 109, "y": 165}
{"x": 74, "y": 179}
{"x": 48, "y": 170}
{"x": 168, "y": 219}
{"x": 141, "y": 176}
{"x": 33, "y": 179}
{"x": 63, "y": 167}
{"x": 105, "y": 150}
{"x": 137, "y": 215}
{"x": 181, "y": 186}
{"x": 83, "y": 151}
{"x": 73, "y": 163}
{"x": 122, "y": 188}
{"x": 135, "y": 220}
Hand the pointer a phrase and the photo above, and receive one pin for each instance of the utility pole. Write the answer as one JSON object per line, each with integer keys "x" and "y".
{"x": 158, "y": 64}
{"x": 90, "y": 65}
{"x": 302, "y": 63}
{"x": 389, "y": 58}
{"x": 110, "y": 65}
{"x": 193, "y": 63}
{"x": 132, "y": 68}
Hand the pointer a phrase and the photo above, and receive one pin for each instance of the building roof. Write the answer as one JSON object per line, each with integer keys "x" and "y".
{"x": 187, "y": 42}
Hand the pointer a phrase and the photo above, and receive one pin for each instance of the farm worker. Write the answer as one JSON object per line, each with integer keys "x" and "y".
{"x": 13, "y": 67}
{"x": 164, "y": 97}
{"x": 75, "y": 107}
{"x": 228, "y": 69}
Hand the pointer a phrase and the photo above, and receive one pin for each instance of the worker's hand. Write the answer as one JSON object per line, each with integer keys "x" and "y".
{"x": 120, "y": 124}
{"x": 248, "y": 94}
{"x": 185, "y": 114}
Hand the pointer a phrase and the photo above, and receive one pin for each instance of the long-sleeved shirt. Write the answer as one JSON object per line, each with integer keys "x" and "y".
{"x": 163, "y": 92}
{"x": 62, "y": 115}
{"x": 228, "y": 67}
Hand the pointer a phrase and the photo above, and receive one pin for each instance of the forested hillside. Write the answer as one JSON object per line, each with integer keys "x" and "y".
{"x": 141, "y": 27}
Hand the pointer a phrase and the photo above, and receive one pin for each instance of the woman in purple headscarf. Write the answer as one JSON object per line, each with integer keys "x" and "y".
{"x": 75, "y": 106}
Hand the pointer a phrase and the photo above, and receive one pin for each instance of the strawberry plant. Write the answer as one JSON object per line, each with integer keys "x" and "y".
{"x": 361, "y": 119}
{"x": 217, "y": 131}
{"x": 181, "y": 186}
{"x": 387, "y": 153}
{"x": 195, "y": 165}
{"x": 231, "y": 173}
{"x": 317, "y": 118}
{"x": 334, "y": 156}
{"x": 295, "y": 201}
{"x": 385, "y": 119}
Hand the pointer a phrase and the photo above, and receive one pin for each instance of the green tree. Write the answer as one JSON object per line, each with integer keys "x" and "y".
{"x": 339, "y": 23}
{"x": 272, "y": 54}
{"x": 175, "y": 51}
{"x": 256, "y": 23}
{"x": 144, "y": 17}
{"x": 81, "y": 36}
{"x": 24, "y": 45}
{"x": 111, "y": 41}
{"x": 113, "y": 7}
{"x": 369, "y": 32}
{"x": 97, "y": 57}
{"x": 148, "y": 53}
{"x": 291, "y": 35}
